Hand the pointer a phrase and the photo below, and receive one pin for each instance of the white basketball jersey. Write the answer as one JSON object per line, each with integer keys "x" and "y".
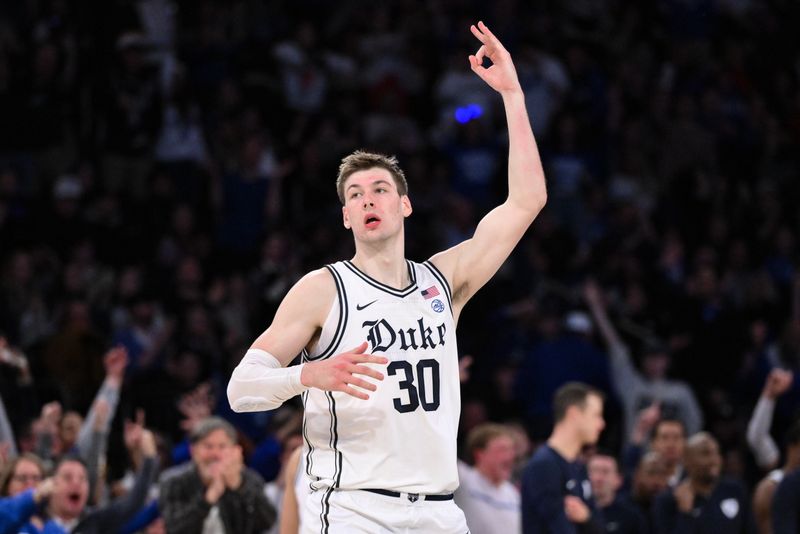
{"x": 404, "y": 437}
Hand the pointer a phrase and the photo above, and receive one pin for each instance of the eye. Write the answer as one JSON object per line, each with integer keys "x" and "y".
{"x": 356, "y": 194}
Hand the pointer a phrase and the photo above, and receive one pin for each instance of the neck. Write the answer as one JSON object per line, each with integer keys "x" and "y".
{"x": 672, "y": 466}
{"x": 603, "y": 501}
{"x": 703, "y": 487}
{"x": 485, "y": 473}
{"x": 565, "y": 442}
{"x": 385, "y": 264}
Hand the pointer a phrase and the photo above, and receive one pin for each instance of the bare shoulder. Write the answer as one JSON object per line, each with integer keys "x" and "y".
{"x": 313, "y": 294}
{"x": 764, "y": 491}
{"x": 447, "y": 263}
{"x": 300, "y": 316}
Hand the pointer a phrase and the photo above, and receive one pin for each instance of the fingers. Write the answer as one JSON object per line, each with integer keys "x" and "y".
{"x": 363, "y": 384}
{"x": 483, "y": 34}
{"x": 359, "y": 349}
{"x": 355, "y": 393}
{"x": 366, "y": 371}
{"x": 369, "y": 358}
{"x": 479, "y": 55}
{"x": 485, "y": 29}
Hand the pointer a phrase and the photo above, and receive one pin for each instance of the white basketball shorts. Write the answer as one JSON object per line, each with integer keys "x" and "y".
{"x": 358, "y": 511}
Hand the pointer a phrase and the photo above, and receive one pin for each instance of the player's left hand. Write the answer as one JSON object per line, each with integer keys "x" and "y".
{"x": 501, "y": 75}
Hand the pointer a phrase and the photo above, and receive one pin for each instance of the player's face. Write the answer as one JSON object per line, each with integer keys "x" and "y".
{"x": 604, "y": 475}
{"x": 208, "y": 452}
{"x": 373, "y": 207}
{"x": 591, "y": 420}
{"x": 497, "y": 458}
{"x": 669, "y": 441}
{"x": 70, "y": 490}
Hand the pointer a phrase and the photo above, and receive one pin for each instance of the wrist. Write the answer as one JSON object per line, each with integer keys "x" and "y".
{"x": 213, "y": 494}
{"x": 113, "y": 381}
{"x": 513, "y": 94}
{"x": 303, "y": 374}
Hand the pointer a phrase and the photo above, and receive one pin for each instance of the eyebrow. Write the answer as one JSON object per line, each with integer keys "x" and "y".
{"x": 376, "y": 182}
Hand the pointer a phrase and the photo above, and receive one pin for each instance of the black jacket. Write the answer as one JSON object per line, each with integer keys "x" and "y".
{"x": 184, "y": 508}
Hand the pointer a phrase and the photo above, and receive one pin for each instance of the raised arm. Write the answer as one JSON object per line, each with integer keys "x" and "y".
{"x": 761, "y": 443}
{"x": 469, "y": 265}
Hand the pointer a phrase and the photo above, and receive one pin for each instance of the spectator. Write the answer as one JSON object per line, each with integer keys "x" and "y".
{"x": 556, "y": 497}
{"x": 67, "y": 505}
{"x": 24, "y": 490}
{"x": 649, "y": 479}
{"x": 669, "y": 441}
{"x": 764, "y": 495}
{"x": 638, "y": 390}
{"x": 758, "y": 438}
{"x": 485, "y": 494}
{"x": 704, "y": 502}
{"x": 214, "y": 491}
{"x": 614, "y": 511}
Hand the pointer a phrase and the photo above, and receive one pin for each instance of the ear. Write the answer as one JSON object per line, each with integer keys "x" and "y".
{"x": 345, "y": 217}
{"x": 406, "y": 205}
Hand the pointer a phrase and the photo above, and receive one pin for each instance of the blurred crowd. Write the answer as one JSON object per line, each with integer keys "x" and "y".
{"x": 167, "y": 172}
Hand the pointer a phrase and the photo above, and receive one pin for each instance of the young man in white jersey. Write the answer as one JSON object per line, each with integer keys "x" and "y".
{"x": 382, "y": 457}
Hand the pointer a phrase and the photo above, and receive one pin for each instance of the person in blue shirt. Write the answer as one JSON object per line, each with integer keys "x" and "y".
{"x": 556, "y": 495}
{"x": 24, "y": 490}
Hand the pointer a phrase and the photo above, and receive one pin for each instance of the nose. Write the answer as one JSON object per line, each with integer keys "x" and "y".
{"x": 368, "y": 203}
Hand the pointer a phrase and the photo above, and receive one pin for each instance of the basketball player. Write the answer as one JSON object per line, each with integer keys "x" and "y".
{"x": 383, "y": 457}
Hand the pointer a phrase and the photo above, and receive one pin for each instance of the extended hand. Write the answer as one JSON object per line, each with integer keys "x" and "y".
{"x": 501, "y": 76}
{"x": 339, "y": 373}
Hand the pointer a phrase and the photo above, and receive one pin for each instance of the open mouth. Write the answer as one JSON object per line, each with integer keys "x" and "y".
{"x": 371, "y": 220}
{"x": 74, "y": 498}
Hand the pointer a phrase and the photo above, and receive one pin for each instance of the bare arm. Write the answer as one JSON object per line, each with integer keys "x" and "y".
{"x": 472, "y": 263}
{"x": 761, "y": 443}
{"x": 762, "y": 505}
{"x": 259, "y": 383}
{"x": 299, "y": 317}
{"x": 290, "y": 510}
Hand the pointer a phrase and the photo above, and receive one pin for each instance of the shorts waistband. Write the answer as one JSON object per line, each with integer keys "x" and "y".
{"x": 413, "y": 497}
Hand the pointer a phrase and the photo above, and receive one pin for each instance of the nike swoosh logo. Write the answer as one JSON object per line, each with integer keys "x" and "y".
{"x": 359, "y": 307}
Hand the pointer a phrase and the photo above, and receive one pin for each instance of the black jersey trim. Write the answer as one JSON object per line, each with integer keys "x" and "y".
{"x": 337, "y": 458}
{"x": 341, "y": 294}
{"x": 310, "y": 447}
{"x": 325, "y": 510}
{"x": 383, "y": 287}
{"x": 437, "y": 274}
